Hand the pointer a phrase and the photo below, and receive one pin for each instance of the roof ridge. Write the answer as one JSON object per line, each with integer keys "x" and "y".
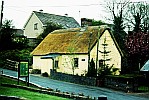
{"x": 51, "y": 14}
{"x": 64, "y": 21}
{"x": 66, "y": 30}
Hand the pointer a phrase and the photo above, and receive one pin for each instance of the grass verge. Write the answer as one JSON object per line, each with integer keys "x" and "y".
{"x": 24, "y": 93}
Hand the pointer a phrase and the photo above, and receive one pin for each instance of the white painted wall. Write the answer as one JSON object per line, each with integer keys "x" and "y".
{"x": 114, "y": 53}
{"x": 66, "y": 63}
{"x": 44, "y": 64}
{"x": 29, "y": 29}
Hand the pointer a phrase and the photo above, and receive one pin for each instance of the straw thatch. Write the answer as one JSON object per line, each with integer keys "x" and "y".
{"x": 75, "y": 40}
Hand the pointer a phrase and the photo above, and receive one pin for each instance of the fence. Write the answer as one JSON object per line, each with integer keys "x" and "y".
{"x": 10, "y": 64}
{"x": 73, "y": 78}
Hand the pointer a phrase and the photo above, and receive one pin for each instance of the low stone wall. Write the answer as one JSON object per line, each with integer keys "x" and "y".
{"x": 124, "y": 84}
{"x": 73, "y": 78}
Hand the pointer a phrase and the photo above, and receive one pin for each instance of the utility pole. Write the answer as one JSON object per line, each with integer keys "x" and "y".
{"x": 97, "y": 52}
{"x": 2, "y": 6}
{"x": 89, "y": 48}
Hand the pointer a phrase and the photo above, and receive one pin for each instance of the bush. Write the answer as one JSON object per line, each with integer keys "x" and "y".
{"x": 15, "y": 55}
{"x": 45, "y": 74}
{"x": 36, "y": 71}
{"x": 2, "y": 63}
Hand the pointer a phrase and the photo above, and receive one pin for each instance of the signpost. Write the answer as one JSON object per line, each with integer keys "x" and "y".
{"x": 23, "y": 71}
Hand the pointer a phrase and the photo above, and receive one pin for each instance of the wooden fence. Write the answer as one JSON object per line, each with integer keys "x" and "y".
{"x": 10, "y": 64}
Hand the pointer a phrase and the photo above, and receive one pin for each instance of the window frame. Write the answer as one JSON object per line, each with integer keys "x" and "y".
{"x": 56, "y": 63}
{"x": 36, "y": 26}
{"x": 76, "y": 62}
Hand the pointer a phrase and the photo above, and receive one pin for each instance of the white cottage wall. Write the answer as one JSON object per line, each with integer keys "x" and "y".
{"x": 114, "y": 53}
{"x": 44, "y": 64}
{"x": 66, "y": 63}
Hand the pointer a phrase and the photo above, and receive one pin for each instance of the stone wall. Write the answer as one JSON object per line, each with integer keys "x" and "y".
{"x": 127, "y": 84}
{"x": 124, "y": 84}
{"x": 73, "y": 78}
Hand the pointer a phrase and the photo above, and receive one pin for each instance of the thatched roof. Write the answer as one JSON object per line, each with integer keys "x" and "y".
{"x": 75, "y": 40}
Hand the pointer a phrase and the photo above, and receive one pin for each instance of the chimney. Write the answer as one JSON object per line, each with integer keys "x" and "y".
{"x": 41, "y": 10}
{"x": 66, "y": 15}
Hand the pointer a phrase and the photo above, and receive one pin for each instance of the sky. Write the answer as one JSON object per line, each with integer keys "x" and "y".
{"x": 19, "y": 10}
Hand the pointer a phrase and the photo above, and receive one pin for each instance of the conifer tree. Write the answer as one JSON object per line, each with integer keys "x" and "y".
{"x": 105, "y": 69}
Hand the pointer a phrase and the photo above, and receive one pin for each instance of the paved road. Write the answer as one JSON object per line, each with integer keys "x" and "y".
{"x": 75, "y": 88}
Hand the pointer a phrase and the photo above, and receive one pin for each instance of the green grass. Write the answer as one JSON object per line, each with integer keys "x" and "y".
{"x": 24, "y": 93}
{"x": 4, "y": 79}
{"x": 27, "y": 94}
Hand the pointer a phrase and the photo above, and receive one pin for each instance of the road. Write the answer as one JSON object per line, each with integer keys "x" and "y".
{"x": 75, "y": 88}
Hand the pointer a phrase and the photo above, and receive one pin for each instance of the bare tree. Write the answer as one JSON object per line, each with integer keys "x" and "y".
{"x": 117, "y": 9}
{"x": 137, "y": 40}
{"x": 138, "y": 16}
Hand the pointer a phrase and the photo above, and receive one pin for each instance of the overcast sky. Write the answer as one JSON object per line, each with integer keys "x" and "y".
{"x": 20, "y": 10}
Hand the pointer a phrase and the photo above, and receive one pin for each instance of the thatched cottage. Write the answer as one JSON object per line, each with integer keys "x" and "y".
{"x": 70, "y": 50}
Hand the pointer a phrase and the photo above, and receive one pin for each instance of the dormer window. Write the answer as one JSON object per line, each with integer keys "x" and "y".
{"x": 35, "y": 26}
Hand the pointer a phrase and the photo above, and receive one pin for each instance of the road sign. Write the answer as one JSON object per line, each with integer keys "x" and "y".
{"x": 23, "y": 68}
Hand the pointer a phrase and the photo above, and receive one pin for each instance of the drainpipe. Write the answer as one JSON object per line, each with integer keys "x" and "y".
{"x": 53, "y": 63}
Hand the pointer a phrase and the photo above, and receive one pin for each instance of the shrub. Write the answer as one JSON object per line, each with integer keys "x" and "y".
{"x": 45, "y": 74}
{"x": 15, "y": 55}
{"x": 36, "y": 71}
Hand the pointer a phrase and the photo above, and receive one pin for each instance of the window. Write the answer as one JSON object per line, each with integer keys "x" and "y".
{"x": 56, "y": 64}
{"x": 76, "y": 62}
{"x": 83, "y": 59}
{"x": 35, "y": 26}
